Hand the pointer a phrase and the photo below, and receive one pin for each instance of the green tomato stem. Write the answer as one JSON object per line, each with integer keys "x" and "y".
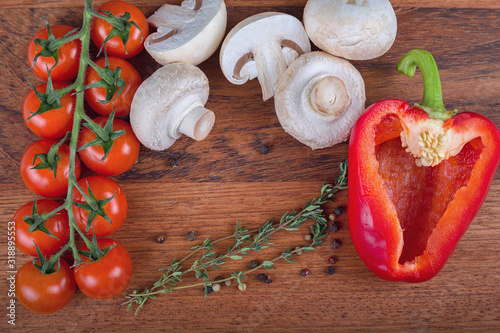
{"x": 61, "y": 41}
{"x": 432, "y": 101}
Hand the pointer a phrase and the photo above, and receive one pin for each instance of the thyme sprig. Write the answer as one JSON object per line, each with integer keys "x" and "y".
{"x": 244, "y": 243}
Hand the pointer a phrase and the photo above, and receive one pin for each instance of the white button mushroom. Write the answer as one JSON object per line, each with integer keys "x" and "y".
{"x": 352, "y": 29}
{"x": 319, "y": 98}
{"x": 263, "y": 46}
{"x": 189, "y": 33}
{"x": 170, "y": 103}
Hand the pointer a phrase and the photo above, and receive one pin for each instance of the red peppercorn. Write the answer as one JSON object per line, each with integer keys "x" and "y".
{"x": 305, "y": 272}
{"x": 332, "y": 260}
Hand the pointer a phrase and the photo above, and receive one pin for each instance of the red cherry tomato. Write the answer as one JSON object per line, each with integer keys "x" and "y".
{"x": 44, "y": 293}
{"x": 108, "y": 276}
{"x": 42, "y": 181}
{"x": 116, "y": 209}
{"x": 52, "y": 124}
{"x": 69, "y": 56}
{"x": 122, "y": 156}
{"x": 57, "y": 225}
{"x": 100, "y": 29}
{"x": 122, "y": 103}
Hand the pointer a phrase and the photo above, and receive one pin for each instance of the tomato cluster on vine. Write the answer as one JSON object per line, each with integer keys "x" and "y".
{"x": 94, "y": 206}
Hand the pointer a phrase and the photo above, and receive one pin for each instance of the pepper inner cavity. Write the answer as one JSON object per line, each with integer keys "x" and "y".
{"x": 420, "y": 194}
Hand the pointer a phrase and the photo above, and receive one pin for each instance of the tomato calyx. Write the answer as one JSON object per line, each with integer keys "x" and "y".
{"x": 48, "y": 266}
{"x": 94, "y": 206}
{"x": 36, "y": 222}
{"x": 121, "y": 27}
{"x": 94, "y": 253}
{"x": 50, "y": 100}
{"x": 105, "y": 136}
{"x": 51, "y": 159}
{"x": 50, "y": 47}
{"x": 111, "y": 81}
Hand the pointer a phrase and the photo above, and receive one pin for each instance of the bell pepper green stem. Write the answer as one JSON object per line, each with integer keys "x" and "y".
{"x": 432, "y": 102}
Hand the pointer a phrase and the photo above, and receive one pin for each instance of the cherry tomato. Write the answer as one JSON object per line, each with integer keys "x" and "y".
{"x": 52, "y": 124}
{"x": 122, "y": 156}
{"x": 108, "y": 276}
{"x": 57, "y": 225}
{"x": 122, "y": 103}
{"x": 100, "y": 29}
{"x": 69, "y": 56}
{"x": 42, "y": 181}
{"x": 116, "y": 209}
{"x": 44, "y": 293}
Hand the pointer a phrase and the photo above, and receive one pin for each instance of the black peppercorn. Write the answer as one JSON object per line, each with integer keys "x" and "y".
{"x": 330, "y": 270}
{"x": 174, "y": 162}
{"x": 269, "y": 280}
{"x": 339, "y": 210}
{"x": 334, "y": 227}
{"x": 262, "y": 277}
{"x": 264, "y": 150}
{"x": 253, "y": 264}
{"x": 336, "y": 243}
{"x": 208, "y": 290}
{"x": 218, "y": 278}
{"x": 190, "y": 236}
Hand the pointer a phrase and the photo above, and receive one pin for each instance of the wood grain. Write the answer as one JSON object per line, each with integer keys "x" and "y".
{"x": 225, "y": 178}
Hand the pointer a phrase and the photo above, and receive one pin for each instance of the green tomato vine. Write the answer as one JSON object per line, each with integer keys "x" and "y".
{"x": 105, "y": 136}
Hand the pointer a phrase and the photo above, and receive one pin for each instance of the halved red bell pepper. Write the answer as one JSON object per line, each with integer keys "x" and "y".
{"x": 417, "y": 177}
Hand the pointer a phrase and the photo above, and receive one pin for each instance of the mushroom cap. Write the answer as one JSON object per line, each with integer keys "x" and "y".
{"x": 189, "y": 33}
{"x": 164, "y": 99}
{"x": 266, "y": 37}
{"x": 352, "y": 29}
{"x": 319, "y": 98}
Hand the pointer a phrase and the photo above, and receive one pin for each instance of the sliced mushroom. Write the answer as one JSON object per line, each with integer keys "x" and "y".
{"x": 319, "y": 98}
{"x": 263, "y": 46}
{"x": 351, "y": 29}
{"x": 170, "y": 103}
{"x": 189, "y": 33}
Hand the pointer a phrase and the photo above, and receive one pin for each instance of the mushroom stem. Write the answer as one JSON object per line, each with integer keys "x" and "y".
{"x": 329, "y": 97}
{"x": 197, "y": 123}
{"x": 271, "y": 64}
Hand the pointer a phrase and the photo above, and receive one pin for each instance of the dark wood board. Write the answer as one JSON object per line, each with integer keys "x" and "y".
{"x": 226, "y": 178}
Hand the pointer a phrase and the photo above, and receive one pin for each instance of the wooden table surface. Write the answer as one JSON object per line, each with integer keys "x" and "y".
{"x": 226, "y": 178}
